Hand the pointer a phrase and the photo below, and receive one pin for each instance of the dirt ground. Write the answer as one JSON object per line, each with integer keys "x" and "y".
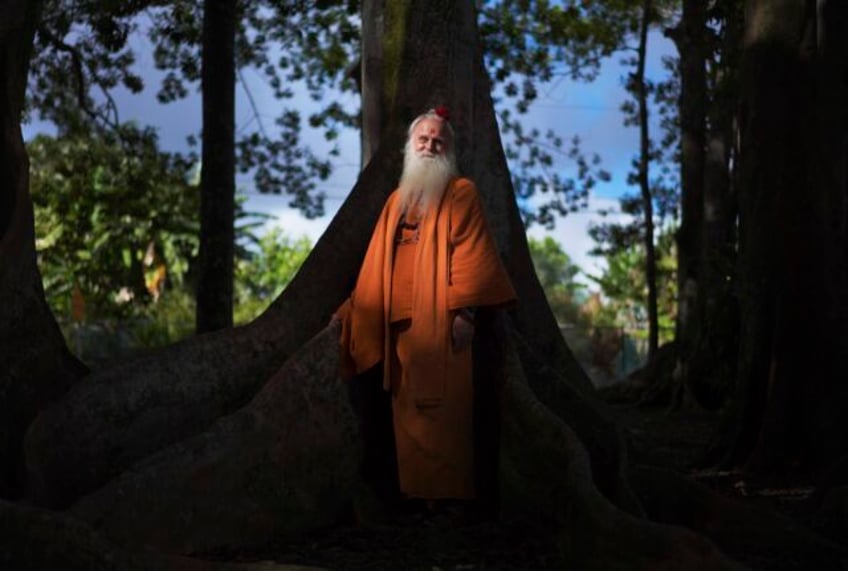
{"x": 671, "y": 440}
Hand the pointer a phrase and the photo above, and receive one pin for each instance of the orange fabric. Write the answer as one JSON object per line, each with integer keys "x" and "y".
{"x": 403, "y": 276}
{"x": 435, "y": 445}
{"x": 456, "y": 265}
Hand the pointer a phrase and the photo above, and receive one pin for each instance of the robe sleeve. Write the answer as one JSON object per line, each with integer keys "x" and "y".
{"x": 476, "y": 275}
{"x": 363, "y": 320}
{"x": 347, "y": 367}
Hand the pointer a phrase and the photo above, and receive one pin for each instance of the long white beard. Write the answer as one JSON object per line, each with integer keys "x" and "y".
{"x": 424, "y": 179}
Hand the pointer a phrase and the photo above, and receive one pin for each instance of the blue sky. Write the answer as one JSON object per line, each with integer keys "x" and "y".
{"x": 591, "y": 111}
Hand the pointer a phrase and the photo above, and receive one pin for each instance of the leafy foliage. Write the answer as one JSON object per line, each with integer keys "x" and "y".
{"x": 624, "y": 288}
{"x": 86, "y": 45}
{"x": 114, "y": 216}
{"x": 263, "y": 274}
{"x": 315, "y": 44}
{"x": 557, "y": 274}
{"x": 118, "y": 219}
{"x": 664, "y": 152}
{"x": 303, "y": 42}
{"x": 80, "y": 55}
{"x": 529, "y": 43}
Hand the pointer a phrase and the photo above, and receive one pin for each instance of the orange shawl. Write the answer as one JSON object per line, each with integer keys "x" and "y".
{"x": 456, "y": 265}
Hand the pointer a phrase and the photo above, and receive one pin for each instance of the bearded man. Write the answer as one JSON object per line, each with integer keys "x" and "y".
{"x": 430, "y": 268}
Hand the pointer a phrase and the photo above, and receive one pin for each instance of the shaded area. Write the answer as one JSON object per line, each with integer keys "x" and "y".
{"x": 415, "y": 545}
{"x": 671, "y": 443}
{"x": 798, "y": 529}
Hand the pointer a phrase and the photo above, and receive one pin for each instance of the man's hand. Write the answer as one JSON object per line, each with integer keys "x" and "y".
{"x": 463, "y": 332}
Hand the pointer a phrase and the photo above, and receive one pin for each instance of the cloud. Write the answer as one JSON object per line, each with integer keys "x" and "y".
{"x": 572, "y": 232}
{"x": 291, "y": 221}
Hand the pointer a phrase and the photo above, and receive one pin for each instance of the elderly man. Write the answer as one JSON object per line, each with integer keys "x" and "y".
{"x": 430, "y": 266}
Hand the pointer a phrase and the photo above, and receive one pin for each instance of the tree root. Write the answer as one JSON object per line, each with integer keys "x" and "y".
{"x": 545, "y": 471}
{"x": 34, "y": 539}
{"x": 117, "y": 417}
{"x": 288, "y": 461}
{"x": 735, "y": 526}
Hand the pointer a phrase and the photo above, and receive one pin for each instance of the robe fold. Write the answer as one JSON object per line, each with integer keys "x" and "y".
{"x": 456, "y": 266}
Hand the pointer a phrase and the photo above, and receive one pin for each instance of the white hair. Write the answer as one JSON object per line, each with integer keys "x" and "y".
{"x": 424, "y": 178}
{"x": 431, "y": 114}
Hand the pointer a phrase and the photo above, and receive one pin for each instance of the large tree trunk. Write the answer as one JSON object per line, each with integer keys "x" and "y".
{"x": 791, "y": 394}
{"x": 214, "y": 277}
{"x": 286, "y": 462}
{"x": 123, "y": 414}
{"x": 641, "y": 89}
{"x": 706, "y": 334}
{"x": 35, "y": 365}
{"x": 712, "y": 361}
{"x": 690, "y": 37}
{"x": 373, "y": 13}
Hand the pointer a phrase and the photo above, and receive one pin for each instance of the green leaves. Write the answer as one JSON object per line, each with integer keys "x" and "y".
{"x": 539, "y": 40}
{"x": 528, "y": 43}
{"x": 107, "y": 207}
{"x": 623, "y": 283}
{"x": 266, "y": 271}
{"x": 83, "y": 51}
{"x": 557, "y": 275}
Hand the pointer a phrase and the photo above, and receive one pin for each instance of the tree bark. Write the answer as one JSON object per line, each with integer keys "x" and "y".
{"x": 713, "y": 359}
{"x": 144, "y": 405}
{"x": 286, "y": 462}
{"x": 690, "y": 39}
{"x": 373, "y": 13}
{"x": 641, "y": 88}
{"x": 707, "y": 321}
{"x": 215, "y": 269}
{"x": 35, "y": 365}
{"x": 790, "y": 398}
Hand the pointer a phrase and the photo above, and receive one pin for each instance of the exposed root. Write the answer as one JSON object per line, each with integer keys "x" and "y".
{"x": 548, "y": 474}
{"x": 736, "y": 527}
{"x": 288, "y": 461}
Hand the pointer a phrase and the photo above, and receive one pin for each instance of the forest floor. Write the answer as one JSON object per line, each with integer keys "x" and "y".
{"x": 676, "y": 440}
{"x": 679, "y": 441}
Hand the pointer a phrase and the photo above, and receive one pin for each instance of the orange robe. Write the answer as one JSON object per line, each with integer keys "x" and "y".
{"x": 456, "y": 265}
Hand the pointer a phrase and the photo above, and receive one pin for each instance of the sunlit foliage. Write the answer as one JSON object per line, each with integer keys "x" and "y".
{"x": 624, "y": 290}
{"x": 263, "y": 274}
{"x": 557, "y": 273}
{"x": 115, "y": 219}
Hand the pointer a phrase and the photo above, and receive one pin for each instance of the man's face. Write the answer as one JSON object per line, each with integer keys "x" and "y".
{"x": 429, "y": 138}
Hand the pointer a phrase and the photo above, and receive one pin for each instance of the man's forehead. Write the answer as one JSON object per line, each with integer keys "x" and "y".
{"x": 429, "y": 126}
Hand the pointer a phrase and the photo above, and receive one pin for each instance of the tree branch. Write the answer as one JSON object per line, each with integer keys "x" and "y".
{"x": 252, "y": 103}
{"x": 78, "y": 64}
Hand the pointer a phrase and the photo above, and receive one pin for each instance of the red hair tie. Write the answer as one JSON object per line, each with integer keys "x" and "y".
{"x": 442, "y": 112}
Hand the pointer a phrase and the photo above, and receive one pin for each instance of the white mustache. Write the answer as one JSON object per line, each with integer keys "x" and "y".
{"x": 425, "y": 175}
